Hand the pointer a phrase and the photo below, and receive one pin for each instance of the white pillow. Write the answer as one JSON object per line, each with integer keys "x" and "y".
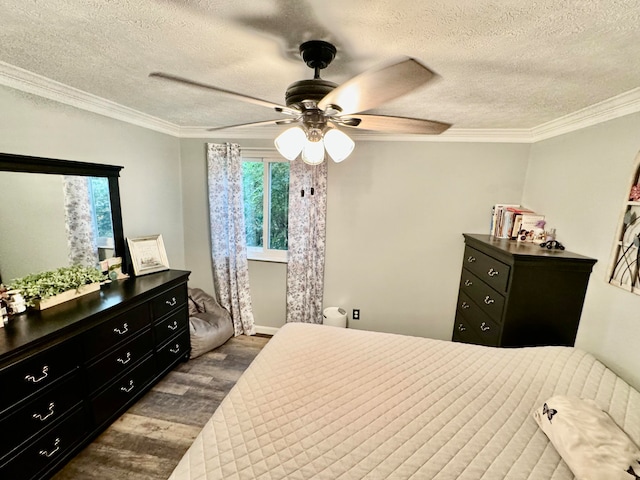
{"x": 588, "y": 439}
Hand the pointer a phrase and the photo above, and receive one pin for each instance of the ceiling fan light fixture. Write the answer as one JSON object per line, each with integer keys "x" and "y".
{"x": 313, "y": 151}
{"x": 338, "y": 144}
{"x": 291, "y": 142}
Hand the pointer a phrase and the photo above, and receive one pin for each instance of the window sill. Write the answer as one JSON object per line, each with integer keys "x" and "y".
{"x": 277, "y": 256}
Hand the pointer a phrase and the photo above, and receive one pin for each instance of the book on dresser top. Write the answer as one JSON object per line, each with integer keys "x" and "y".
{"x": 531, "y": 228}
{"x": 497, "y": 212}
{"x": 513, "y": 217}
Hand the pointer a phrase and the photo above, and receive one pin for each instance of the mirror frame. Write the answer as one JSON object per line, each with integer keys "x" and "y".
{"x": 23, "y": 163}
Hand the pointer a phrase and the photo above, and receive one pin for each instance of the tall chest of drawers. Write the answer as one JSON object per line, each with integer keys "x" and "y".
{"x": 518, "y": 294}
{"x": 69, "y": 371}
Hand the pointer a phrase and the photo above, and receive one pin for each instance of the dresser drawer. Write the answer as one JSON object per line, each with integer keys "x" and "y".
{"x": 462, "y": 331}
{"x": 116, "y": 330}
{"x": 482, "y": 294}
{"x": 170, "y": 326}
{"x": 169, "y": 301}
{"x": 33, "y": 374}
{"x": 485, "y": 329}
{"x": 47, "y": 449}
{"x": 39, "y": 414}
{"x": 174, "y": 350}
{"x": 123, "y": 391}
{"x": 486, "y": 268}
{"x": 119, "y": 361}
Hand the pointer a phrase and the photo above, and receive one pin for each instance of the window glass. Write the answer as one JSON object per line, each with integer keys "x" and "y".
{"x": 253, "y": 192}
{"x": 101, "y": 209}
{"x": 278, "y": 205}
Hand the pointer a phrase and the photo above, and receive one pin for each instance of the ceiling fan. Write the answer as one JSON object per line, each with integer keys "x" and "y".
{"x": 318, "y": 108}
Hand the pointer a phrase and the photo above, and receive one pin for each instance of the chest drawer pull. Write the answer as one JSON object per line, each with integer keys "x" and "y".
{"x": 125, "y": 360}
{"x": 492, "y": 272}
{"x": 173, "y": 326}
{"x": 129, "y": 388}
{"x": 464, "y": 305}
{"x": 37, "y": 416}
{"x": 468, "y": 283}
{"x": 32, "y": 378}
{"x": 471, "y": 259}
{"x": 172, "y": 302}
{"x": 56, "y": 444}
{"x": 461, "y": 327}
{"x": 176, "y": 349}
{"x": 484, "y": 327}
{"x": 488, "y": 300}
{"x": 125, "y": 329}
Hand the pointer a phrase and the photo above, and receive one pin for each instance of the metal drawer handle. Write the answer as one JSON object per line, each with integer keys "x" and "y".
{"x": 492, "y": 272}
{"x": 488, "y": 300}
{"x": 173, "y": 326}
{"x": 56, "y": 444}
{"x": 171, "y": 302}
{"x": 465, "y": 305}
{"x": 176, "y": 349}
{"x": 125, "y": 329}
{"x": 32, "y": 378}
{"x": 37, "y": 416}
{"x": 484, "y": 327}
{"x": 468, "y": 283}
{"x": 126, "y": 360}
{"x": 461, "y": 327}
{"x": 127, "y": 390}
{"x": 471, "y": 259}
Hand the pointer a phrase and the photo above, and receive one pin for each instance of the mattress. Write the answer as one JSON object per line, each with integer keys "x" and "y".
{"x": 330, "y": 403}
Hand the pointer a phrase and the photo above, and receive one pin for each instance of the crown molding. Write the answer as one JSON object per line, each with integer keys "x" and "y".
{"x": 612, "y": 108}
{"x": 23, "y": 80}
{"x": 35, "y": 84}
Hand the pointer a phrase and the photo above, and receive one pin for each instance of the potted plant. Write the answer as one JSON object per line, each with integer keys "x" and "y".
{"x": 45, "y": 289}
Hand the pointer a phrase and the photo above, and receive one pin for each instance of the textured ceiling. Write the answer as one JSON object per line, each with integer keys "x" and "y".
{"x": 504, "y": 64}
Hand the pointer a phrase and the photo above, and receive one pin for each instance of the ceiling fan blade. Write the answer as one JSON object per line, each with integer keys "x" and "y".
{"x": 377, "y": 86}
{"x": 238, "y": 96}
{"x": 390, "y": 124}
{"x": 286, "y": 121}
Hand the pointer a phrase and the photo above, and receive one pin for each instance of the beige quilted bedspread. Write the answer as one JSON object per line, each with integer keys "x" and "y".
{"x": 329, "y": 403}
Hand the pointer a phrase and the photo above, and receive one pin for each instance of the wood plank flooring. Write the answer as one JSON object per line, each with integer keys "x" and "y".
{"x": 148, "y": 441}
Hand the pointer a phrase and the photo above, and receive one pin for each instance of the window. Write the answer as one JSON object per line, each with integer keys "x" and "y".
{"x": 265, "y": 183}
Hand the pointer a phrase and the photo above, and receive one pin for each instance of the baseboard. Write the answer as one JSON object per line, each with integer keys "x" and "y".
{"x": 266, "y": 330}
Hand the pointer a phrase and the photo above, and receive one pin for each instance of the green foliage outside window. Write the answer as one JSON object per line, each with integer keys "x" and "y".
{"x": 253, "y": 178}
{"x": 253, "y": 191}
{"x": 279, "y": 206}
{"x": 101, "y": 205}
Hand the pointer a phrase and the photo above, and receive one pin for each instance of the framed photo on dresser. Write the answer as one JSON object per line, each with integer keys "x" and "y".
{"x": 148, "y": 254}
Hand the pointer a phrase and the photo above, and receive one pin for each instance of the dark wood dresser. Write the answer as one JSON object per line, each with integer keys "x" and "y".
{"x": 518, "y": 294}
{"x": 69, "y": 371}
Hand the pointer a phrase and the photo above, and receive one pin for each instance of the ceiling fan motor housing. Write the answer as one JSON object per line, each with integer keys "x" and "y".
{"x": 302, "y": 90}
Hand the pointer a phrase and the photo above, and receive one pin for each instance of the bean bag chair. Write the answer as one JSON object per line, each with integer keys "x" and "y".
{"x": 209, "y": 324}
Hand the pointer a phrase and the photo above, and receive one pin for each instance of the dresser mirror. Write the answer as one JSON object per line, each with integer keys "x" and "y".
{"x": 52, "y": 209}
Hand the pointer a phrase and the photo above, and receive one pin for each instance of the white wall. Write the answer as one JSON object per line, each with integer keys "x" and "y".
{"x": 395, "y": 218}
{"x": 150, "y": 186}
{"x": 580, "y": 181}
{"x": 396, "y": 214}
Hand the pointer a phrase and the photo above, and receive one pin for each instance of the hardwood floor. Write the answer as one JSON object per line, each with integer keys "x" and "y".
{"x": 147, "y": 442}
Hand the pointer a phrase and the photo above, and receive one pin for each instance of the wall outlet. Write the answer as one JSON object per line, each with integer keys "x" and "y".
{"x": 356, "y": 314}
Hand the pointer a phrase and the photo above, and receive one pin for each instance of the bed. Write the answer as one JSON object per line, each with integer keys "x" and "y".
{"x": 331, "y": 403}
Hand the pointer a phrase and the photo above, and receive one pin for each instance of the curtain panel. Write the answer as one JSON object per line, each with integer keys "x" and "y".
{"x": 307, "y": 233}
{"x": 228, "y": 241}
{"x": 81, "y": 236}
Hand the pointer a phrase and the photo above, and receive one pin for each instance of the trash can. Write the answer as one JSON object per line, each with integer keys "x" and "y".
{"x": 334, "y": 316}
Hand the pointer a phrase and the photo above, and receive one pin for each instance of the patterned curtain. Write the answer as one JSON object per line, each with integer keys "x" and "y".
{"x": 228, "y": 241}
{"x": 81, "y": 238}
{"x": 307, "y": 221}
